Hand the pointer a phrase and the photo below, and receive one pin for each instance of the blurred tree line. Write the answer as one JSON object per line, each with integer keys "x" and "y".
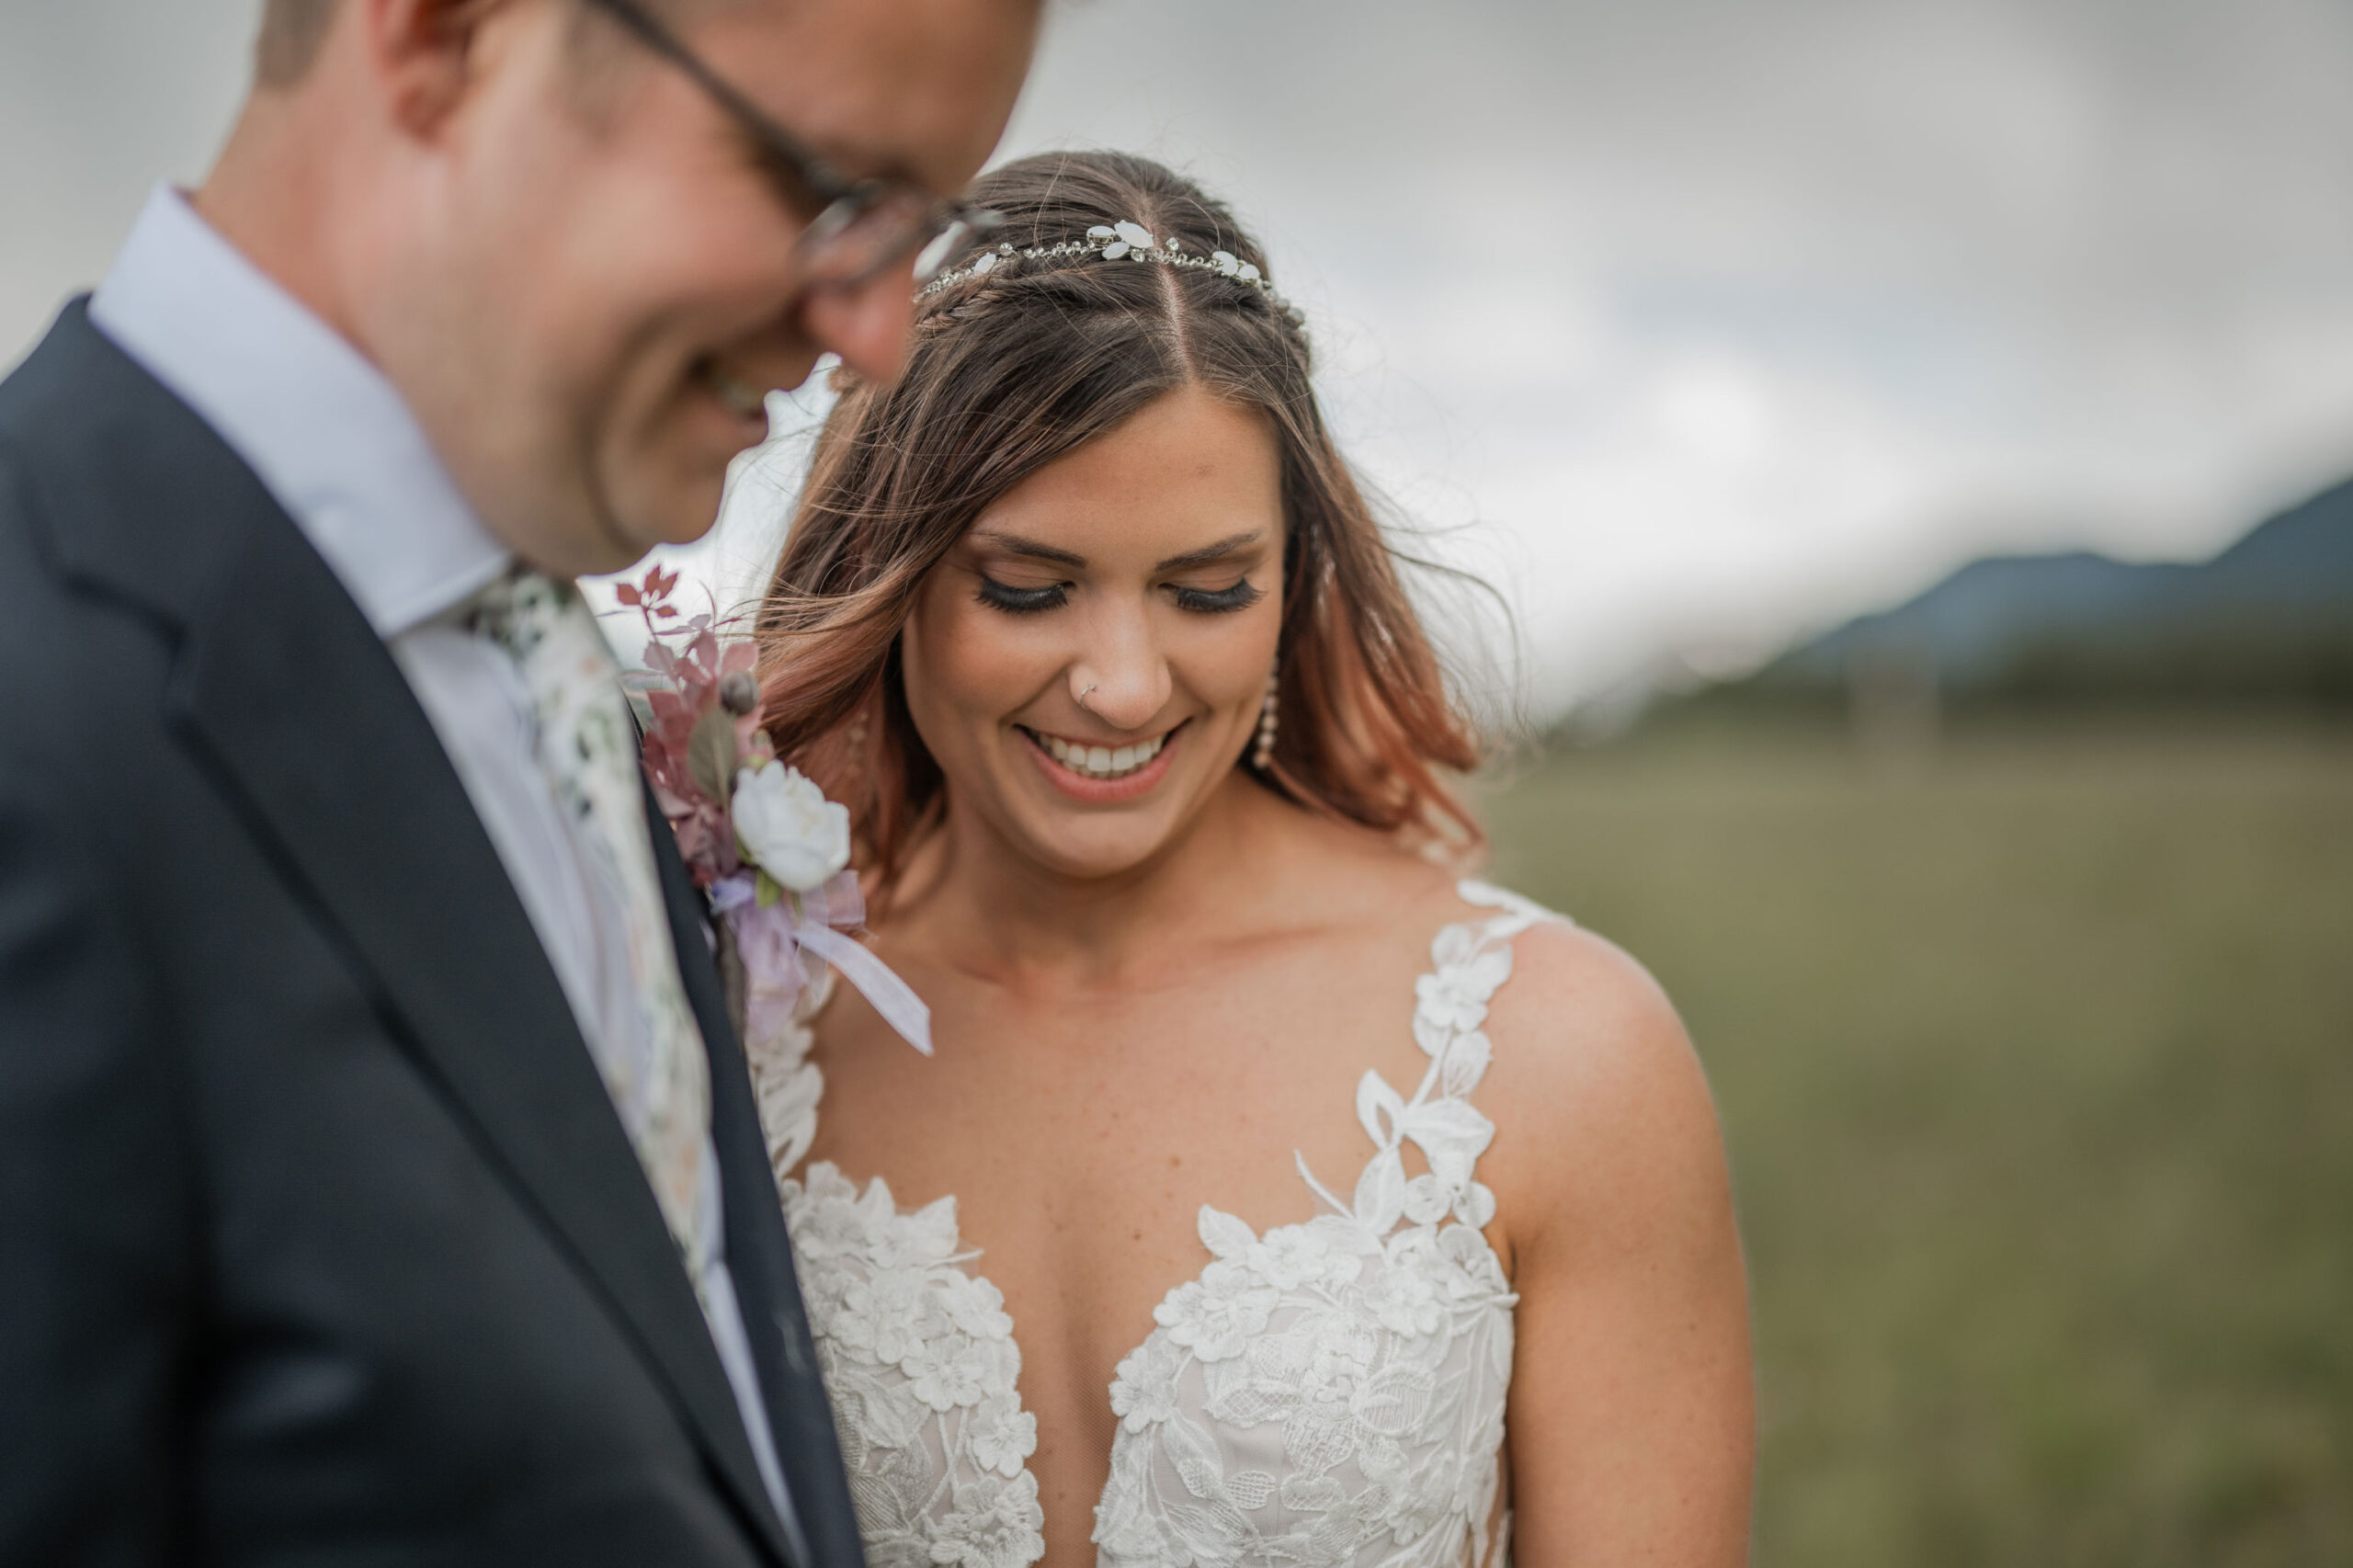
{"x": 2266, "y": 624}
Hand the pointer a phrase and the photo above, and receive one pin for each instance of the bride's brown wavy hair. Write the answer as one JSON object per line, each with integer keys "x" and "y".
{"x": 1013, "y": 368}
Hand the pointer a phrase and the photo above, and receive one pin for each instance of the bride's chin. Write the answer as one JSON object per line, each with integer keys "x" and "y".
{"x": 1068, "y": 849}
{"x": 1086, "y": 846}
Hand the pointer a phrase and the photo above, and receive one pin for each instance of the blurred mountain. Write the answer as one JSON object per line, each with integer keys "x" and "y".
{"x": 2269, "y": 620}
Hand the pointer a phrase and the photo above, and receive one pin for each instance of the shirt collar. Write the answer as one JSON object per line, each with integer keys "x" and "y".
{"x": 324, "y": 431}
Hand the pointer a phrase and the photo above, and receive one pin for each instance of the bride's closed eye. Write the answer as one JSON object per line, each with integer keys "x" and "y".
{"x": 1015, "y": 600}
{"x": 1219, "y": 601}
{"x": 1023, "y": 601}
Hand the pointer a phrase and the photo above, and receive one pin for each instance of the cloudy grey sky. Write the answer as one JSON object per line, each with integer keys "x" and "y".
{"x": 1697, "y": 323}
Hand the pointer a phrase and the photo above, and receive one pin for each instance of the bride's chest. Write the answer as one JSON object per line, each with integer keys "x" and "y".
{"x": 1079, "y": 1150}
{"x": 1111, "y": 1103}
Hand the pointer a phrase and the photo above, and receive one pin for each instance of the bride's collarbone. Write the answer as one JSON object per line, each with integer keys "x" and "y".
{"x": 1081, "y": 1141}
{"x": 1105, "y": 1094}
{"x": 1130, "y": 1099}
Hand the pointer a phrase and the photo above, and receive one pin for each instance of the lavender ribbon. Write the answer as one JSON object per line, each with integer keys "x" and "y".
{"x": 771, "y": 940}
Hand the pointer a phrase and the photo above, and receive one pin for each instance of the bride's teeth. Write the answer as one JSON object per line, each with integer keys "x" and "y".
{"x": 1100, "y": 762}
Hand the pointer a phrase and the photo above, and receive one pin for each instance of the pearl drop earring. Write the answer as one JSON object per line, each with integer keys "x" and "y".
{"x": 854, "y": 739}
{"x": 1263, "y": 758}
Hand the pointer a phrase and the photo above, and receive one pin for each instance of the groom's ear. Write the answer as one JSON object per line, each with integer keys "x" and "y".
{"x": 427, "y": 54}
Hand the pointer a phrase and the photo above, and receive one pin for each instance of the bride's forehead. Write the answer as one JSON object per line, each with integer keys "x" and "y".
{"x": 1202, "y": 528}
{"x": 1184, "y": 463}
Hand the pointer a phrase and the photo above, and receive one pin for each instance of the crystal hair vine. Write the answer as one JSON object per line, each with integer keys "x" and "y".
{"x": 1122, "y": 240}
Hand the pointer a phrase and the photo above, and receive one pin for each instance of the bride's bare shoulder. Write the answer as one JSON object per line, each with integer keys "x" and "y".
{"x": 1605, "y": 1124}
{"x": 1578, "y": 1002}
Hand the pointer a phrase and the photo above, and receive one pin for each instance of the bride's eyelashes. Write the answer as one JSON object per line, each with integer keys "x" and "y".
{"x": 1199, "y": 601}
{"x": 1023, "y": 601}
{"x": 1219, "y": 601}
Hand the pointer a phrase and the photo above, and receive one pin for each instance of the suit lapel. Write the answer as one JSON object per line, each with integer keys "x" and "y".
{"x": 289, "y": 698}
{"x": 759, "y": 1253}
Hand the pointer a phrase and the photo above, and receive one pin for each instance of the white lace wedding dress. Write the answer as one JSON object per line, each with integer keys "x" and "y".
{"x": 1331, "y": 1393}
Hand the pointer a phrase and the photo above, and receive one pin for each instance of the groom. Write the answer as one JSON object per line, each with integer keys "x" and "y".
{"x": 379, "y": 1177}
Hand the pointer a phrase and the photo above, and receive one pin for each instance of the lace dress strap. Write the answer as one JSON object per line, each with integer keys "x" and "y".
{"x": 1469, "y": 962}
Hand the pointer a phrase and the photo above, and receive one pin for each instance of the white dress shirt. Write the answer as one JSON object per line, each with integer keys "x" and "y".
{"x": 334, "y": 444}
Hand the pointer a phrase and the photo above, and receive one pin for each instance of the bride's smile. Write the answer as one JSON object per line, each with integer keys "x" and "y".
{"x": 1074, "y": 763}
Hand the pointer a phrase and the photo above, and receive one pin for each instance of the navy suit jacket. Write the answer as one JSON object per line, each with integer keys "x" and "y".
{"x": 320, "y": 1241}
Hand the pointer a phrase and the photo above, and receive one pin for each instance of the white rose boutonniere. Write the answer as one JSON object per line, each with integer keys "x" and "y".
{"x": 785, "y": 825}
{"x": 769, "y": 852}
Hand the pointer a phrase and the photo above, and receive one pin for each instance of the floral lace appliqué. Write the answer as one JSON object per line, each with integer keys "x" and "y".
{"x": 919, "y": 1358}
{"x": 1330, "y": 1392}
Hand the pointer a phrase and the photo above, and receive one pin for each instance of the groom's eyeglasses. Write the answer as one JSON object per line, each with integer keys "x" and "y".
{"x": 863, "y": 227}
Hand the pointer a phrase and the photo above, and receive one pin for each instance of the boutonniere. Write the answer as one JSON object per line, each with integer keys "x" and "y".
{"x": 769, "y": 852}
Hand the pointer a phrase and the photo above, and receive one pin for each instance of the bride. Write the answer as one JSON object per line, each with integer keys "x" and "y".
{"x": 1275, "y": 1197}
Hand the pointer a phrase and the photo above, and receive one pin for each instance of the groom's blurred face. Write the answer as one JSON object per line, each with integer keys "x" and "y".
{"x": 600, "y": 279}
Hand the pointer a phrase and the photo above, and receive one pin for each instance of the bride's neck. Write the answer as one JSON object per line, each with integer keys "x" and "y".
{"x": 990, "y": 908}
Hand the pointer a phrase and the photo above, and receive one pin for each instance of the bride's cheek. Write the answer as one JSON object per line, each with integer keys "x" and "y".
{"x": 971, "y": 668}
{"x": 995, "y": 664}
{"x": 1228, "y": 673}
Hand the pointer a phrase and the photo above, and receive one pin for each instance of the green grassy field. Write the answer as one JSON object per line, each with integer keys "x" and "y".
{"x": 2035, "y": 1055}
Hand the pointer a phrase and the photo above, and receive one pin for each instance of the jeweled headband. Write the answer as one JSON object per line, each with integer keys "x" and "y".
{"x": 1116, "y": 241}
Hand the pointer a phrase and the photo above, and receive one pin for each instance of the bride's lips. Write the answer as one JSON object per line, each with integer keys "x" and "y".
{"x": 1103, "y": 791}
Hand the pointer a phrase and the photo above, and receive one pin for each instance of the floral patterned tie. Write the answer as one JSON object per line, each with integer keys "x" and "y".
{"x": 658, "y": 1075}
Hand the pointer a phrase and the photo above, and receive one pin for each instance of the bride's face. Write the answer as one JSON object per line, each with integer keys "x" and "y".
{"x": 1089, "y": 661}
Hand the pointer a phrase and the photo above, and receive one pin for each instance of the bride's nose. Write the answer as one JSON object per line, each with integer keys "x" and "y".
{"x": 1120, "y": 677}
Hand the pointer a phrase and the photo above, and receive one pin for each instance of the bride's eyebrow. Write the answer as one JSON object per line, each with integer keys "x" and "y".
{"x": 1209, "y": 552}
{"x": 1014, "y": 544}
